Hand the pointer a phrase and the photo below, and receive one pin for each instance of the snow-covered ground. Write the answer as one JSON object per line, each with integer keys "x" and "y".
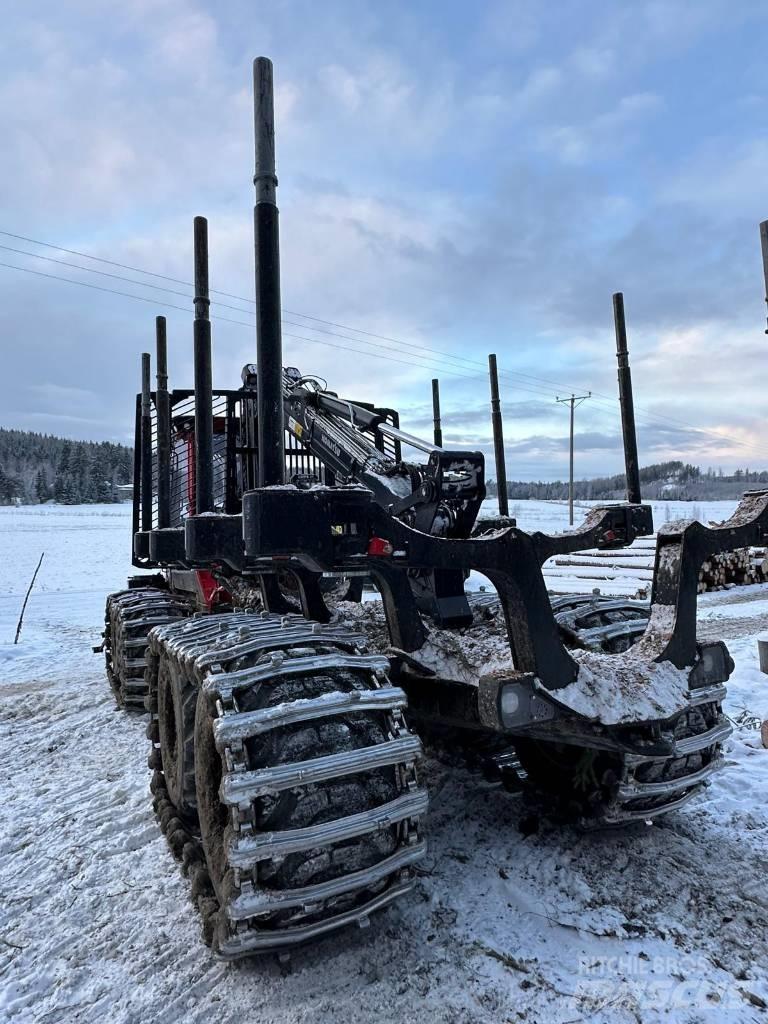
{"x": 661, "y": 923}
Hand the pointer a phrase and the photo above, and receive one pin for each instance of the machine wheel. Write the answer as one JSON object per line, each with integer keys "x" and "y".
{"x": 129, "y": 616}
{"x": 598, "y": 788}
{"x": 176, "y": 699}
{"x": 306, "y": 790}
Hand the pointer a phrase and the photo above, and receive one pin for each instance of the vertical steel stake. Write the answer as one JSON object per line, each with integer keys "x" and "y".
{"x": 436, "y": 412}
{"x": 269, "y": 357}
{"x": 146, "y": 444}
{"x": 631, "y": 464}
{"x": 498, "y": 438}
{"x": 764, "y": 249}
{"x": 162, "y": 404}
{"x": 203, "y": 375}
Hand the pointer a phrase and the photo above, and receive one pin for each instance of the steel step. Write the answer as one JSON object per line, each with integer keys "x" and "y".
{"x": 239, "y": 726}
{"x": 242, "y": 787}
{"x": 247, "y": 850}
{"x": 634, "y": 790}
{"x": 646, "y": 814}
{"x": 690, "y": 744}
{"x": 255, "y": 941}
{"x": 265, "y": 901}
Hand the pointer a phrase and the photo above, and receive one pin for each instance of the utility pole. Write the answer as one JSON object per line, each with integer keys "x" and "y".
{"x": 498, "y": 438}
{"x": 573, "y": 401}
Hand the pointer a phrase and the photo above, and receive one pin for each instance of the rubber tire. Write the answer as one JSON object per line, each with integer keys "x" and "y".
{"x": 176, "y": 700}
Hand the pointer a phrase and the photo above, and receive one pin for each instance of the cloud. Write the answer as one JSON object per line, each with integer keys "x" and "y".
{"x": 479, "y": 182}
{"x": 719, "y": 176}
{"x": 602, "y": 135}
{"x": 594, "y": 62}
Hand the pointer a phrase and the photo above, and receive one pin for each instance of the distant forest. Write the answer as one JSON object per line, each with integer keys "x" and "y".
{"x": 673, "y": 480}
{"x": 35, "y": 468}
{"x": 38, "y": 467}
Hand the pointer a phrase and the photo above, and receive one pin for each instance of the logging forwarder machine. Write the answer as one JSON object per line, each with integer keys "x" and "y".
{"x": 284, "y": 766}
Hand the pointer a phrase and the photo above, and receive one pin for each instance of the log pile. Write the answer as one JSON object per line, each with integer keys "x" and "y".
{"x": 733, "y": 568}
{"x": 629, "y": 571}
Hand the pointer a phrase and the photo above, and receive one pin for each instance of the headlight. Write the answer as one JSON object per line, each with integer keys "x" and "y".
{"x": 511, "y": 704}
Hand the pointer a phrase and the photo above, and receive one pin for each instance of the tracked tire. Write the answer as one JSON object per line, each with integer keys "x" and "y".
{"x": 598, "y": 787}
{"x": 306, "y": 791}
{"x": 128, "y": 618}
{"x": 634, "y": 781}
{"x": 175, "y": 737}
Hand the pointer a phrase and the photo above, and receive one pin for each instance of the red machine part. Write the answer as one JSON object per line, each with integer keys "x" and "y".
{"x": 211, "y": 591}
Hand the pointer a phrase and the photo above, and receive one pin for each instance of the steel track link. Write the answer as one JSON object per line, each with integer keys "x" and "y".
{"x": 235, "y": 660}
{"x": 650, "y": 785}
{"x": 128, "y": 618}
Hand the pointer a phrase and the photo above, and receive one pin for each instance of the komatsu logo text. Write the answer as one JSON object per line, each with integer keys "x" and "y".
{"x": 329, "y": 444}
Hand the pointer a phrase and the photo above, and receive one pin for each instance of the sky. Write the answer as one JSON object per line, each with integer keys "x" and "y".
{"x": 454, "y": 180}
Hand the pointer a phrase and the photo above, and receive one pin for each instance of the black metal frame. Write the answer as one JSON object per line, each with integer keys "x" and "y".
{"x": 153, "y": 522}
{"x": 408, "y": 526}
{"x": 511, "y": 559}
{"x": 331, "y": 531}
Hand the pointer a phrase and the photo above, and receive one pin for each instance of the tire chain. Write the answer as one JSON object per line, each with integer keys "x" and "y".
{"x": 638, "y": 786}
{"x": 128, "y": 618}
{"x": 210, "y": 652}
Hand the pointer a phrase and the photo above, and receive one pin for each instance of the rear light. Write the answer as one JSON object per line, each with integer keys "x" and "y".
{"x": 713, "y": 665}
{"x": 379, "y": 547}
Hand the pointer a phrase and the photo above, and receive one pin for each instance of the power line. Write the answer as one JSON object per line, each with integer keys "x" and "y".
{"x": 535, "y": 390}
{"x": 95, "y": 287}
{"x": 101, "y": 259}
{"x": 535, "y": 385}
{"x": 602, "y": 399}
{"x": 116, "y": 277}
{"x": 229, "y": 320}
{"x": 475, "y": 364}
{"x": 439, "y": 365}
{"x": 432, "y": 354}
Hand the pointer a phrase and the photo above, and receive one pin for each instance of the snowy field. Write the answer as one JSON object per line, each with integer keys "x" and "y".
{"x": 661, "y": 923}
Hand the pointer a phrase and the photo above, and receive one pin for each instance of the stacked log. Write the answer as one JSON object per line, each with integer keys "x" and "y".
{"x": 630, "y": 570}
{"x": 733, "y": 568}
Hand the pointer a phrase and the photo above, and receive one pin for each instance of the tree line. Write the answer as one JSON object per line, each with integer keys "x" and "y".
{"x": 675, "y": 480}
{"x": 35, "y": 468}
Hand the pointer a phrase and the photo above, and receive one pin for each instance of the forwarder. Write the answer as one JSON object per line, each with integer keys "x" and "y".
{"x": 284, "y": 766}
